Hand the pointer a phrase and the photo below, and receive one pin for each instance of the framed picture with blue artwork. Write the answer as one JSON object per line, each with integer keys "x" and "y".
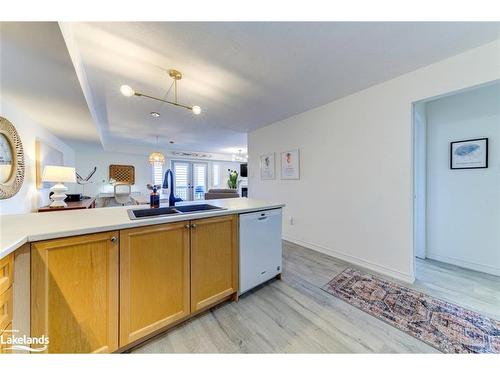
{"x": 469, "y": 154}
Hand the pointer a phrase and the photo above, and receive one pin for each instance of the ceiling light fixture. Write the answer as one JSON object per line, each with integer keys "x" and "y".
{"x": 155, "y": 114}
{"x": 127, "y": 90}
{"x": 176, "y": 76}
{"x": 156, "y": 156}
{"x": 196, "y": 109}
{"x": 239, "y": 157}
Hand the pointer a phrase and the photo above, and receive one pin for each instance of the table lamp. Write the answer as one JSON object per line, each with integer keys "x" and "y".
{"x": 57, "y": 174}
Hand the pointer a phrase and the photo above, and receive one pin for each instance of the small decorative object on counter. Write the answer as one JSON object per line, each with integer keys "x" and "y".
{"x": 154, "y": 198}
{"x": 232, "y": 182}
{"x": 150, "y": 187}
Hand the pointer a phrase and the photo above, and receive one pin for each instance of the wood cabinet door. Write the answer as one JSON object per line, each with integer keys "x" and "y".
{"x": 74, "y": 293}
{"x": 6, "y": 272}
{"x": 5, "y": 336}
{"x": 214, "y": 260}
{"x": 154, "y": 279}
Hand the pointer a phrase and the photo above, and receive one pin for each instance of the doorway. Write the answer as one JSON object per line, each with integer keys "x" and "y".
{"x": 190, "y": 179}
{"x": 457, "y": 210}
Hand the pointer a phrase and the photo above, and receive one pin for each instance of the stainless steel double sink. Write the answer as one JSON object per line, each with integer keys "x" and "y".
{"x": 145, "y": 213}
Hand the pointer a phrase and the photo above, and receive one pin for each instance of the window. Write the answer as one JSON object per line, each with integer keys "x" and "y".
{"x": 199, "y": 180}
{"x": 157, "y": 170}
{"x": 181, "y": 174}
{"x": 216, "y": 175}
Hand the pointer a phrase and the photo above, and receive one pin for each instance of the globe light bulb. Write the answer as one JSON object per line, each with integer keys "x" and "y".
{"x": 127, "y": 90}
{"x": 196, "y": 110}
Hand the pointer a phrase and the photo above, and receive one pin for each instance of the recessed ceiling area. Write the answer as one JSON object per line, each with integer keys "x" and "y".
{"x": 37, "y": 74}
{"x": 244, "y": 75}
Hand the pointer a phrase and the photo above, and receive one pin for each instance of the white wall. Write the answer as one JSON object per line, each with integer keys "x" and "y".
{"x": 29, "y": 198}
{"x": 355, "y": 196}
{"x": 463, "y": 206}
{"x": 90, "y": 155}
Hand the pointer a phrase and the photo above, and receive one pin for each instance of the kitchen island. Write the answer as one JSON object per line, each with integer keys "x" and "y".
{"x": 101, "y": 282}
{"x": 16, "y": 230}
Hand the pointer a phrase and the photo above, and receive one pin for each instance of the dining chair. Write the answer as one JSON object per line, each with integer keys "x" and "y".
{"x": 122, "y": 193}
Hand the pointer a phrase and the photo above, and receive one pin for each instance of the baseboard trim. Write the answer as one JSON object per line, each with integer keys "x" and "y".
{"x": 355, "y": 260}
{"x": 464, "y": 264}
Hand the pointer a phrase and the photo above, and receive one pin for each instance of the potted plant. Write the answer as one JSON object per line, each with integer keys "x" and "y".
{"x": 232, "y": 182}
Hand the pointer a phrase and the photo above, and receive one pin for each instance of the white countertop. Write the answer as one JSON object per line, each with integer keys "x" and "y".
{"x": 16, "y": 230}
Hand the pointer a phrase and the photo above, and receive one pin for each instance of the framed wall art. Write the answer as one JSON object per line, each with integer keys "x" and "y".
{"x": 122, "y": 173}
{"x": 267, "y": 167}
{"x": 290, "y": 165}
{"x": 469, "y": 154}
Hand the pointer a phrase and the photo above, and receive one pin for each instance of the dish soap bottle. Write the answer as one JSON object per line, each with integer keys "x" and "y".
{"x": 154, "y": 198}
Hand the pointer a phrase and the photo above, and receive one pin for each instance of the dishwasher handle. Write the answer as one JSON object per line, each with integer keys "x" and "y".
{"x": 260, "y": 216}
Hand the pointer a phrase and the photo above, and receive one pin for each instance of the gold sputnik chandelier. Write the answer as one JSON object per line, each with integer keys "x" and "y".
{"x": 176, "y": 76}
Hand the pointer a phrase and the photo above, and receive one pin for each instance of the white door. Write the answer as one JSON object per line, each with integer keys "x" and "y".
{"x": 190, "y": 180}
{"x": 200, "y": 180}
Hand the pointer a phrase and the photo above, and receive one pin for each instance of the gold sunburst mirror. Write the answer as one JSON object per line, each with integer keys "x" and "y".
{"x": 11, "y": 160}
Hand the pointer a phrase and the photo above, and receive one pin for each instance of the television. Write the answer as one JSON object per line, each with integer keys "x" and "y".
{"x": 243, "y": 170}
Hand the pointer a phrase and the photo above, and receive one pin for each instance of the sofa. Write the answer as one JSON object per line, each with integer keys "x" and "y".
{"x": 221, "y": 194}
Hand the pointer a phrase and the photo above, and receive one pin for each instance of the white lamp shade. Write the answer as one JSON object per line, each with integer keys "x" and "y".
{"x": 53, "y": 173}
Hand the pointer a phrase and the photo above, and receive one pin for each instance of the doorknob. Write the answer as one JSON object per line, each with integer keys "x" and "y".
{"x": 187, "y": 226}
{"x": 193, "y": 226}
{"x": 114, "y": 239}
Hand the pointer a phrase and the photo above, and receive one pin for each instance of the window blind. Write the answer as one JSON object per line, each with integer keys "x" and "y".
{"x": 157, "y": 170}
{"x": 181, "y": 173}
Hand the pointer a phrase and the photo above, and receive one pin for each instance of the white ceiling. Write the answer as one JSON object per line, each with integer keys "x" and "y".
{"x": 36, "y": 73}
{"x": 243, "y": 75}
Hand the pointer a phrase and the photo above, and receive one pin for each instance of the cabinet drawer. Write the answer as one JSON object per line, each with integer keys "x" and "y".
{"x": 5, "y": 309}
{"x": 6, "y": 272}
{"x": 6, "y": 335}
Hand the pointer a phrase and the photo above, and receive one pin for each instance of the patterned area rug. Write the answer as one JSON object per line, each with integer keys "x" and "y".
{"x": 443, "y": 325}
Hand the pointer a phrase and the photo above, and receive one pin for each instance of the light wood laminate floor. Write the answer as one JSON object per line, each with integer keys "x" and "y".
{"x": 294, "y": 315}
